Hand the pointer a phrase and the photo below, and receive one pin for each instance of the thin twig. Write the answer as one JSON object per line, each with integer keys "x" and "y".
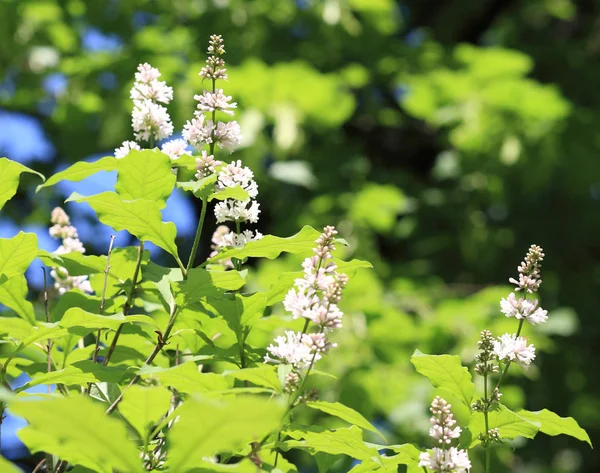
{"x": 103, "y": 297}
{"x": 197, "y": 237}
{"x": 128, "y": 304}
{"x": 48, "y": 461}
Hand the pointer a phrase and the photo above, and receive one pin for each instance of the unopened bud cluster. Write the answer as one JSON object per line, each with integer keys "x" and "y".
{"x": 203, "y": 130}
{"x": 444, "y": 459}
{"x": 486, "y": 359}
{"x": 529, "y": 270}
{"x": 443, "y": 428}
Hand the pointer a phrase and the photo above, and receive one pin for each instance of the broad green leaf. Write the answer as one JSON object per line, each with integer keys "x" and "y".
{"x": 261, "y": 376}
{"x": 77, "y": 430}
{"x": 122, "y": 266}
{"x": 145, "y": 174}
{"x": 8, "y": 466}
{"x": 13, "y": 293}
{"x": 236, "y": 193}
{"x": 43, "y": 331}
{"x": 79, "y": 373}
{"x": 141, "y": 218}
{"x": 16, "y": 254}
{"x": 10, "y": 172}
{"x": 345, "y": 413}
{"x": 351, "y": 267}
{"x": 14, "y": 327}
{"x": 201, "y": 283}
{"x": 143, "y": 406}
{"x": 240, "y": 311}
{"x": 79, "y": 171}
{"x": 186, "y": 378}
{"x": 553, "y": 424}
{"x": 79, "y": 318}
{"x": 206, "y": 428}
{"x": 271, "y": 246}
{"x": 406, "y": 454}
{"x": 202, "y": 188}
{"x": 446, "y": 372}
{"x": 509, "y": 424}
{"x": 335, "y": 442}
{"x": 281, "y": 287}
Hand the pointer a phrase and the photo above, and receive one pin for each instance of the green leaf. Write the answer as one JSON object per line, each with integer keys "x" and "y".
{"x": 240, "y": 311}
{"x": 201, "y": 283}
{"x": 202, "y": 188}
{"x": 407, "y": 454}
{"x": 16, "y": 254}
{"x": 335, "y": 442}
{"x": 8, "y": 467}
{"x": 281, "y": 286}
{"x": 186, "y": 378}
{"x": 145, "y": 174}
{"x": 79, "y": 171}
{"x": 141, "y": 218}
{"x": 345, "y": 413}
{"x": 79, "y": 318}
{"x": 77, "y": 430}
{"x": 43, "y": 331}
{"x": 13, "y": 294}
{"x": 122, "y": 265}
{"x": 351, "y": 267}
{"x": 553, "y": 424}
{"x": 10, "y": 172}
{"x": 207, "y": 428}
{"x": 144, "y": 406}
{"x": 446, "y": 372}
{"x": 79, "y": 373}
{"x": 261, "y": 376}
{"x": 236, "y": 193}
{"x": 509, "y": 425}
{"x": 271, "y": 246}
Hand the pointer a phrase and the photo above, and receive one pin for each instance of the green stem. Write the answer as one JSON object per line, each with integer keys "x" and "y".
{"x": 48, "y": 456}
{"x": 197, "y": 237}
{"x": 162, "y": 341}
{"x": 128, "y": 304}
{"x": 103, "y": 299}
{"x": 488, "y": 460}
{"x": 508, "y": 363}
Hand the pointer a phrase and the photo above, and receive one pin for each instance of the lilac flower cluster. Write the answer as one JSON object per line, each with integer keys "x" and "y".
{"x": 314, "y": 298}
{"x": 63, "y": 229}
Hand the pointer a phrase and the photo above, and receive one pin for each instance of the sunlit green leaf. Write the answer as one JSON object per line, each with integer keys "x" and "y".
{"x": 553, "y": 424}
{"x": 509, "y": 424}
{"x": 143, "y": 406}
{"x": 141, "y": 218}
{"x": 10, "y": 172}
{"x": 345, "y": 413}
{"x": 8, "y": 467}
{"x": 79, "y": 171}
{"x": 446, "y": 372}
{"x": 145, "y": 174}
{"x": 261, "y": 376}
{"x": 335, "y": 442}
{"x": 186, "y": 378}
{"x": 77, "y": 430}
{"x": 79, "y": 373}
{"x": 16, "y": 254}
{"x": 225, "y": 426}
{"x": 271, "y": 246}
{"x": 201, "y": 283}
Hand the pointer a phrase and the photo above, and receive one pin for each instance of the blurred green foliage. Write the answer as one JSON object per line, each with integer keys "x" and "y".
{"x": 442, "y": 138}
